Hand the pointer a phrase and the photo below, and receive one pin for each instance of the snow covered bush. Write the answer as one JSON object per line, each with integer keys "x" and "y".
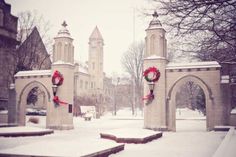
{"x": 34, "y": 120}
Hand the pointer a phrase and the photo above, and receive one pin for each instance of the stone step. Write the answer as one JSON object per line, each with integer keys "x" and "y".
{"x": 137, "y": 136}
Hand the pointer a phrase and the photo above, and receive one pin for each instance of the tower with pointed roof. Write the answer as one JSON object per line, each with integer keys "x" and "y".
{"x": 63, "y": 49}
{"x": 95, "y": 60}
{"x": 155, "y": 38}
{"x": 155, "y": 55}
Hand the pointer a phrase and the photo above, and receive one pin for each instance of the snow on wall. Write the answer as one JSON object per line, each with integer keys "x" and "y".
{"x": 33, "y": 73}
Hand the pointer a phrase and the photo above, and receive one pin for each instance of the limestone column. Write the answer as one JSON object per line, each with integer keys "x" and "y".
{"x": 155, "y": 55}
{"x": 61, "y": 117}
{"x": 12, "y": 114}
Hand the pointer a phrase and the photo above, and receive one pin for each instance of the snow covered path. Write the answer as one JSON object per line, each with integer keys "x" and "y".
{"x": 191, "y": 139}
{"x": 177, "y": 144}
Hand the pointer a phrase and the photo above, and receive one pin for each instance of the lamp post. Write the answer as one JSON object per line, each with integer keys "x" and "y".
{"x": 54, "y": 89}
{"x": 151, "y": 88}
{"x": 118, "y": 80}
{"x": 98, "y": 101}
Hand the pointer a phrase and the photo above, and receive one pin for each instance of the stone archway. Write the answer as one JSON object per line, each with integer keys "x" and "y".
{"x": 160, "y": 113}
{"x": 171, "y": 97}
{"x": 22, "y": 101}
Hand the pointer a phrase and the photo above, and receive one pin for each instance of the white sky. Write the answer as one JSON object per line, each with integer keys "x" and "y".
{"x": 114, "y": 19}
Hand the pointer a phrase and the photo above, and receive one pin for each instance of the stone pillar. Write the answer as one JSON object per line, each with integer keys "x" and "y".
{"x": 61, "y": 117}
{"x": 155, "y": 112}
{"x": 12, "y": 114}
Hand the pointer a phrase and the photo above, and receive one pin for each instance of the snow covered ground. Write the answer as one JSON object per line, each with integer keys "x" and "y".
{"x": 190, "y": 139}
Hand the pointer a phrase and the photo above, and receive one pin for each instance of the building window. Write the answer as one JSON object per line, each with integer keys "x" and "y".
{"x": 92, "y": 85}
{"x": 58, "y": 55}
{"x": 153, "y": 44}
{"x": 81, "y": 84}
{"x": 86, "y": 85}
{"x": 66, "y": 52}
{"x": 69, "y": 53}
{"x": 1, "y": 17}
{"x": 93, "y": 65}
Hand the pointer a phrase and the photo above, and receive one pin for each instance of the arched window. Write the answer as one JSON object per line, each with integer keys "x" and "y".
{"x": 65, "y": 52}
{"x": 81, "y": 84}
{"x": 153, "y": 44}
{"x": 1, "y": 17}
{"x": 58, "y": 54}
{"x": 93, "y": 65}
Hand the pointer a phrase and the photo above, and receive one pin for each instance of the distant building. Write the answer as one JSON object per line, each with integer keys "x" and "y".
{"x": 8, "y": 42}
{"x": 33, "y": 54}
{"x": 30, "y": 54}
{"x": 90, "y": 79}
{"x": 228, "y": 82}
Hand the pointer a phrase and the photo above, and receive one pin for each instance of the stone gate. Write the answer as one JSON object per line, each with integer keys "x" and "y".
{"x": 160, "y": 113}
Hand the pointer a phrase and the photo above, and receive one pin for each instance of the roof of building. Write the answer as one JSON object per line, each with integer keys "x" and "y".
{"x": 96, "y": 34}
{"x": 63, "y": 32}
{"x": 230, "y": 61}
{"x": 155, "y": 23}
{"x": 33, "y": 73}
{"x": 154, "y": 57}
{"x": 83, "y": 67}
{"x": 212, "y": 64}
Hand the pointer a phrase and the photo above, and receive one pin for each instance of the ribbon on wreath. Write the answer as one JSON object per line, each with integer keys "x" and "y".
{"x": 148, "y": 97}
{"x": 57, "y": 101}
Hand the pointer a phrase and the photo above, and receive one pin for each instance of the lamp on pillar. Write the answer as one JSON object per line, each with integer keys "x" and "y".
{"x": 54, "y": 89}
{"x": 151, "y": 88}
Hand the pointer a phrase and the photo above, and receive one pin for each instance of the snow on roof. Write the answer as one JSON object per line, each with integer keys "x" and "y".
{"x": 83, "y": 67}
{"x": 233, "y": 111}
{"x": 62, "y": 62}
{"x": 154, "y": 57}
{"x": 33, "y": 73}
{"x": 212, "y": 64}
{"x": 85, "y": 109}
{"x": 83, "y": 70}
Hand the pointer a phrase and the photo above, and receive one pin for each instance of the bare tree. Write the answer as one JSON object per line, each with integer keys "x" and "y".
{"x": 212, "y": 23}
{"x": 191, "y": 95}
{"x": 27, "y": 21}
{"x": 33, "y": 38}
{"x": 132, "y": 61}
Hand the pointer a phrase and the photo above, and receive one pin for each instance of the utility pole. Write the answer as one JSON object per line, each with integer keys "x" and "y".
{"x": 115, "y": 98}
{"x": 134, "y": 70}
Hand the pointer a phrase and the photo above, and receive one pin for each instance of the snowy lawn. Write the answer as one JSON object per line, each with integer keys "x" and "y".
{"x": 191, "y": 139}
{"x": 185, "y": 142}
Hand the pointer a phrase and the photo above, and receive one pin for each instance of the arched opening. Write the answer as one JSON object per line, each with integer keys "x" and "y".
{"x": 33, "y": 101}
{"x": 173, "y": 93}
{"x": 190, "y": 107}
{"x": 153, "y": 44}
{"x": 36, "y": 102}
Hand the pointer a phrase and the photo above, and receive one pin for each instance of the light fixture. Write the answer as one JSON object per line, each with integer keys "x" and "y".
{"x": 54, "y": 89}
{"x": 151, "y": 88}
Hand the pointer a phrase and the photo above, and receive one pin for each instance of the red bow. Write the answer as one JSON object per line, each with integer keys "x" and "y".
{"x": 58, "y": 102}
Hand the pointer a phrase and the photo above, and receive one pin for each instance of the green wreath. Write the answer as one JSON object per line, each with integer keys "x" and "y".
{"x": 152, "y": 74}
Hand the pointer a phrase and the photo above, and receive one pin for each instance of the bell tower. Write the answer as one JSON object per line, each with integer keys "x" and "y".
{"x": 155, "y": 56}
{"x": 96, "y": 59}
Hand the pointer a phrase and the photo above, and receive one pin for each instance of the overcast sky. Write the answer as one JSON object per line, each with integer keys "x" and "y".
{"x": 114, "y": 19}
